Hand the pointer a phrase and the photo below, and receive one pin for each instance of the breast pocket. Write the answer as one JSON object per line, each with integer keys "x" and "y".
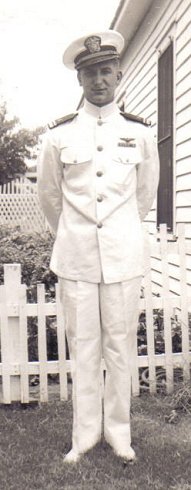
{"x": 76, "y": 166}
{"x": 124, "y": 164}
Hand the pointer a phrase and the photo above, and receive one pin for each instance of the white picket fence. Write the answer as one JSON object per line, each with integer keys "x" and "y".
{"x": 15, "y": 369}
{"x": 20, "y": 185}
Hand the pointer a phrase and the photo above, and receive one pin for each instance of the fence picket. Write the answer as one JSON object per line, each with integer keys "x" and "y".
{"x": 167, "y": 310}
{"x": 135, "y": 375}
{"x": 5, "y": 353}
{"x": 150, "y": 329}
{"x": 184, "y": 303}
{"x": 24, "y": 349}
{"x": 42, "y": 345}
{"x": 61, "y": 347}
{"x": 12, "y": 289}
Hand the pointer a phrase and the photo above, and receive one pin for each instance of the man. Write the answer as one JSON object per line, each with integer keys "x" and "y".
{"x": 98, "y": 175}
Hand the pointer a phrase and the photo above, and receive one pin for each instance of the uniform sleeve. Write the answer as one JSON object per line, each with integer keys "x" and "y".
{"x": 49, "y": 178}
{"x": 147, "y": 174}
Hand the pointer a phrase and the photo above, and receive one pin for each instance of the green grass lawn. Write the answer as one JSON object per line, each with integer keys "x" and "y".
{"x": 34, "y": 439}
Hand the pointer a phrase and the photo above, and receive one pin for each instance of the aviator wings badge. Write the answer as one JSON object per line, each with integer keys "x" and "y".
{"x": 127, "y": 142}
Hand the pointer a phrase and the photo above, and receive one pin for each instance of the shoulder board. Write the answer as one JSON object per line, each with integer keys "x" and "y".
{"x": 139, "y": 119}
{"x": 62, "y": 120}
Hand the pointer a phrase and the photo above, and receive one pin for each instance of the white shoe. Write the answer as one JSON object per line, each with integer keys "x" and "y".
{"x": 72, "y": 457}
{"x": 128, "y": 456}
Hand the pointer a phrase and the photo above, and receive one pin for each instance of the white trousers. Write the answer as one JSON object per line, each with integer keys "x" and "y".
{"x": 101, "y": 320}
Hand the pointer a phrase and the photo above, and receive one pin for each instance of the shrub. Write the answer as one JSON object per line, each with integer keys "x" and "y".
{"x": 33, "y": 252}
{"x": 181, "y": 398}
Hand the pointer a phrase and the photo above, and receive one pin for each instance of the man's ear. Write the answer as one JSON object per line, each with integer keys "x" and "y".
{"x": 119, "y": 76}
{"x": 79, "y": 78}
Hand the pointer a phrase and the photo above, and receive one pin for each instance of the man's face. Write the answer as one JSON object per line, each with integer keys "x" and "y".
{"x": 99, "y": 81}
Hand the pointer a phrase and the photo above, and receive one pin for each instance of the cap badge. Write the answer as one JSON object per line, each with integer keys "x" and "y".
{"x": 93, "y": 44}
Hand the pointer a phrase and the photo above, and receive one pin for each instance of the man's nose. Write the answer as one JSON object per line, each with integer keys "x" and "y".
{"x": 98, "y": 78}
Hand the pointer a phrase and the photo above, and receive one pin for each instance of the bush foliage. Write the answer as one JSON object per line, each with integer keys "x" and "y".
{"x": 33, "y": 252}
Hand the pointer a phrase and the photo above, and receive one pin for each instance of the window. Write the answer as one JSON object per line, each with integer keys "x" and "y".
{"x": 165, "y": 137}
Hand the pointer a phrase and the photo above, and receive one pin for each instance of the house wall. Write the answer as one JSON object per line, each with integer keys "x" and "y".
{"x": 165, "y": 19}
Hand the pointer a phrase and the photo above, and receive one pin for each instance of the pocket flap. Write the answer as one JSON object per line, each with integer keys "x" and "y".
{"x": 127, "y": 156}
{"x": 73, "y": 156}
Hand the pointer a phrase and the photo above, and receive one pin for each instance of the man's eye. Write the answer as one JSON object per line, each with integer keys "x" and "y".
{"x": 88, "y": 73}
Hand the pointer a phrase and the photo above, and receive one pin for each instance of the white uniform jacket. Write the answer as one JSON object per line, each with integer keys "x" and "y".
{"x": 97, "y": 179}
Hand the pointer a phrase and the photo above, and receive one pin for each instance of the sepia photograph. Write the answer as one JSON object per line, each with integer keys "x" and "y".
{"x": 95, "y": 245}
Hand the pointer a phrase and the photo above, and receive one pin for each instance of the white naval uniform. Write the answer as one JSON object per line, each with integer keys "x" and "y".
{"x": 97, "y": 179}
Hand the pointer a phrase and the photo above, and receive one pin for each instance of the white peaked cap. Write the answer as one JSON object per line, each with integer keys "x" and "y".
{"x": 97, "y": 47}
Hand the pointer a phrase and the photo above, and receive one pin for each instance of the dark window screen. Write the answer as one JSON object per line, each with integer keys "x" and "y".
{"x": 165, "y": 138}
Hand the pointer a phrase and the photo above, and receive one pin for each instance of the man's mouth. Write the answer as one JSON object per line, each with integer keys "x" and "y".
{"x": 99, "y": 91}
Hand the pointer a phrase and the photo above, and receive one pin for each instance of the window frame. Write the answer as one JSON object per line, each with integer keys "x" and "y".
{"x": 163, "y": 45}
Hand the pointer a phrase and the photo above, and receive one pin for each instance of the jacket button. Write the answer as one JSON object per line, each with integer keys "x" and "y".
{"x": 99, "y": 173}
{"x": 99, "y": 198}
{"x": 100, "y": 122}
{"x": 99, "y": 225}
{"x": 99, "y": 148}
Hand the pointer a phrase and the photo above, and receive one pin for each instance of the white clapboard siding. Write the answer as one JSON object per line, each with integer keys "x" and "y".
{"x": 183, "y": 215}
{"x": 183, "y": 182}
{"x": 183, "y": 16}
{"x": 150, "y": 113}
{"x": 183, "y": 117}
{"x": 183, "y": 87}
{"x": 150, "y": 33}
{"x": 183, "y": 198}
{"x": 174, "y": 278}
{"x": 146, "y": 102}
{"x": 151, "y": 225}
{"x": 183, "y": 149}
{"x": 183, "y": 133}
{"x": 16, "y": 370}
{"x": 183, "y": 39}
{"x": 183, "y": 53}
{"x": 188, "y": 230}
{"x": 183, "y": 10}
{"x": 183, "y": 101}
{"x": 182, "y": 70}
{"x": 147, "y": 94}
{"x": 173, "y": 258}
{"x": 183, "y": 167}
{"x": 147, "y": 82}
